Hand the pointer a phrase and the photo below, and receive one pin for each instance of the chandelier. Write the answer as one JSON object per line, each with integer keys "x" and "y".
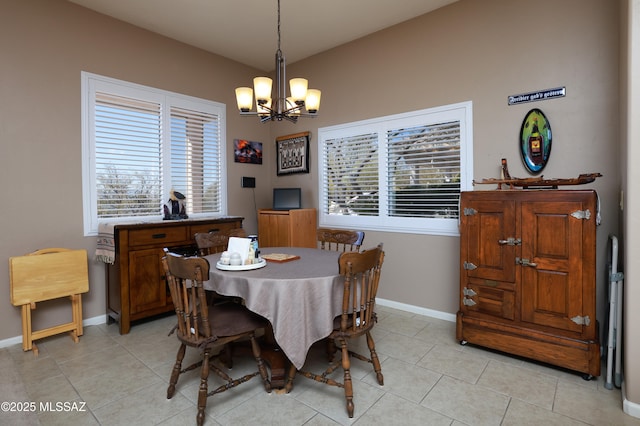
{"x": 303, "y": 102}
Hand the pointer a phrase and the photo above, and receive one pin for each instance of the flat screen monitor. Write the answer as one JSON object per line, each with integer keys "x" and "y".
{"x": 287, "y": 198}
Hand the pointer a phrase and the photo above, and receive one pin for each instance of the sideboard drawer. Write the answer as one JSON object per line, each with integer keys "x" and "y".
{"x": 160, "y": 235}
{"x": 213, "y": 227}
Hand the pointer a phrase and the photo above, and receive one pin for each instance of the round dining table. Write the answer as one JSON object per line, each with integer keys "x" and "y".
{"x": 299, "y": 297}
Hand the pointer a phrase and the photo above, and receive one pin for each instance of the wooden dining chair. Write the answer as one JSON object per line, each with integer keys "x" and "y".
{"x": 211, "y": 242}
{"x": 339, "y": 239}
{"x": 207, "y": 328}
{"x": 217, "y": 242}
{"x": 361, "y": 272}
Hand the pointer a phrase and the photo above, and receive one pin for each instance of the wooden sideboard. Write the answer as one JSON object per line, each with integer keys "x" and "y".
{"x": 528, "y": 275}
{"x": 136, "y": 286}
{"x": 287, "y": 228}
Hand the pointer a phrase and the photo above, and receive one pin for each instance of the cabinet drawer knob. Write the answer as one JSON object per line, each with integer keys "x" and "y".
{"x": 159, "y": 236}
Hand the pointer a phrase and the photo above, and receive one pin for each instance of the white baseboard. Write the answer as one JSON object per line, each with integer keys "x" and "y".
{"x": 631, "y": 408}
{"x": 417, "y": 310}
{"x": 100, "y": 319}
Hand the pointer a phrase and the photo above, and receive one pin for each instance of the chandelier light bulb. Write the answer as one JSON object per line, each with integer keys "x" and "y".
{"x": 262, "y": 87}
{"x": 244, "y": 97}
{"x": 298, "y": 88}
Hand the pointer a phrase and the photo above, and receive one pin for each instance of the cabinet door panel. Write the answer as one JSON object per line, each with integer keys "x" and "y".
{"x": 488, "y": 226}
{"x": 147, "y": 287}
{"x": 552, "y": 240}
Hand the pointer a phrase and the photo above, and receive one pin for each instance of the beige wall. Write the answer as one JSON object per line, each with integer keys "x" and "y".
{"x": 470, "y": 50}
{"x": 630, "y": 156}
{"x": 484, "y": 52}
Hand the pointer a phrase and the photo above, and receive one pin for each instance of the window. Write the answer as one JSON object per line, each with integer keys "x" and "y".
{"x": 139, "y": 143}
{"x": 400, "y": 173}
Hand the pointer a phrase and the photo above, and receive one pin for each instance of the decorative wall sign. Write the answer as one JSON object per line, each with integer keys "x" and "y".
{"x": 245, "y": 151}
{"x": 535, "y": 141}
{"x": 293, "y": 153}
{"x": 540, "y": 95}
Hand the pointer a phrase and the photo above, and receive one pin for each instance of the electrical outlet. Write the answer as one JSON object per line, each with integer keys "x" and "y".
{"x": 248, "y": 182}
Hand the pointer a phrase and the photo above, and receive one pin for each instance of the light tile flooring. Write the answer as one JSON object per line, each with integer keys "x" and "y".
{"x": 429, "y": 380}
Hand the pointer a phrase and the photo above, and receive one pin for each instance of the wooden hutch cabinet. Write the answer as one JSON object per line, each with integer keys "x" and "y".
{"x": 136, "y": 286}
{"x": 528, "y": 275}
{"x": 287, "y": 228}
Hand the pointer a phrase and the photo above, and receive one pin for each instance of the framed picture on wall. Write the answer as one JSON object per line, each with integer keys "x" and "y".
{"x": 245, "y": 151}
{"x": 292, "y": 153}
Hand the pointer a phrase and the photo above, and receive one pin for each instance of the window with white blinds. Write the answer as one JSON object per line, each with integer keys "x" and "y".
{"x": 139, "y": 143}
{"x": 399, "y": 173}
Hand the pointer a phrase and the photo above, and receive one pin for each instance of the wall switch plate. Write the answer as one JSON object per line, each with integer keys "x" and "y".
{"x": 248, "y": 182}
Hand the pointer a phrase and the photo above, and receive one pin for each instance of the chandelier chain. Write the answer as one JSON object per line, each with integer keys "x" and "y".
{"x": 279, "y": 26}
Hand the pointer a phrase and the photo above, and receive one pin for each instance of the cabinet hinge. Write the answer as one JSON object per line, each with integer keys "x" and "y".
{"x": 468, "y": 292}
{"x": 468, "y": 211}
{"x": 469, "y": 266}
{"x": 582, "y": 214}
{"x": 468, "y": 302}
{"x": 581, "y": 320}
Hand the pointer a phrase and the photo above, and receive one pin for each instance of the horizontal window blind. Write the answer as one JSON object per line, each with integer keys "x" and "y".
{"x": 402, "y": 172}
{"x": 351, "y": 181}
{"x": 139, "y": 143}
{"x": 128, "y": 156}
{"x": 424, "y": 171}
{"x": 195, "y": 158}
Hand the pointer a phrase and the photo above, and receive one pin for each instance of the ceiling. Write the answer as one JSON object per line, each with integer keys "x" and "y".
{"x": 246, "y": 30}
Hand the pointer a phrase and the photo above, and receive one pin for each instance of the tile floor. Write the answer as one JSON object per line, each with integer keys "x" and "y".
{"x": 429, "y": 380}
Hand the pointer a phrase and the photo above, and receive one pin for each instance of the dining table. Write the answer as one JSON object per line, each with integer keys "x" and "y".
{"x": 299, "y": 297}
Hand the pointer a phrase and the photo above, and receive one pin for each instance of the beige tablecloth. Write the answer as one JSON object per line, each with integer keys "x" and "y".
{"x": 300, "y": 298}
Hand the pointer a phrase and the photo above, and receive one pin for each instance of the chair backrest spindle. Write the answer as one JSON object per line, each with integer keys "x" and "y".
{"x": 339, "y": 239}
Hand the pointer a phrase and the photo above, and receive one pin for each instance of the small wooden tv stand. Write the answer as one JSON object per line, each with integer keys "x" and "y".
{"x": 287, "y": 228}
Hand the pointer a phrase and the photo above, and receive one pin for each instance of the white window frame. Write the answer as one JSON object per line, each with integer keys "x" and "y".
{"x": 90, "y": 84}
{"x": 461, "y": 112}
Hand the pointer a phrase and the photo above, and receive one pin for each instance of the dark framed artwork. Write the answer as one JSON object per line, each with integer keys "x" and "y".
{"x": 245, "y": 151}
{"x": 535, "y": 141}
{"x": 293, "y": 153}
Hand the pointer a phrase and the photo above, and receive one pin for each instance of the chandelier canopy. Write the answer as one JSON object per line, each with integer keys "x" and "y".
{"x": 302, "y": 102}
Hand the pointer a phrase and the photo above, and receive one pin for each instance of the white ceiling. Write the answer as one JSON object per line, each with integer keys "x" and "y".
{"x": 246, "y": 30}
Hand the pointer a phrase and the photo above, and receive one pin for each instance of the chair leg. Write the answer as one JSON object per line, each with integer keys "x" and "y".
{"x": 290, "y": 376}
{"x": 175, "y": 373}
{"x": 255, "y": 348}
{"x": 227, "y": 357}
{"x": 203, "y": 390}
{"x": 374, "y": 359}
{"x": 348, "y": 385}
{"x": 331, "y": 349}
